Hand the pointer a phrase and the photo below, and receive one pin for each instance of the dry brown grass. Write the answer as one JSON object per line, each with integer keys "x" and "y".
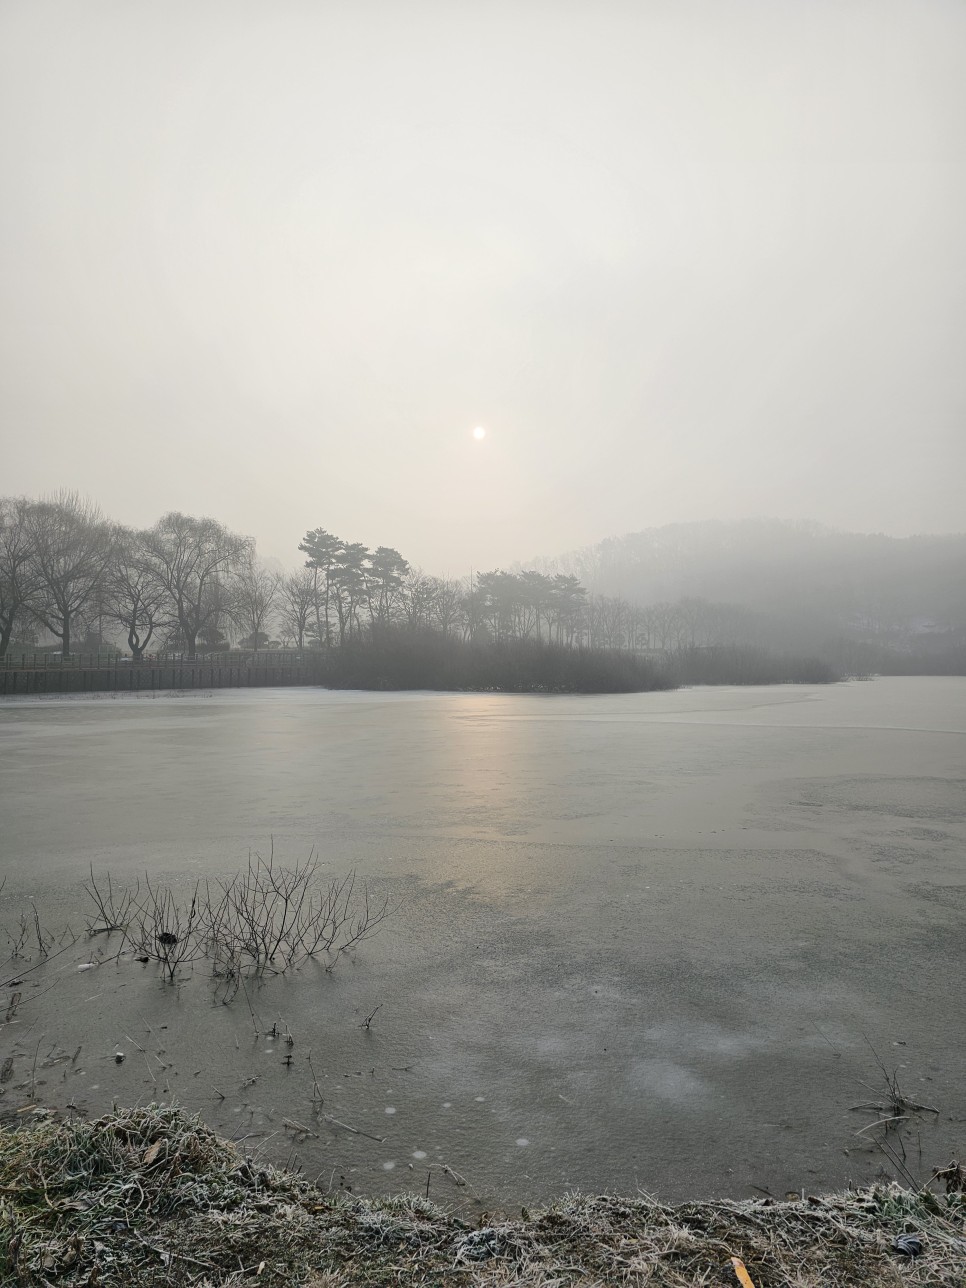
{"x": 152, "y": 1197}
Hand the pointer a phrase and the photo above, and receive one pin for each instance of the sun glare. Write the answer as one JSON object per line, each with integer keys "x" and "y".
{"x": 479, "y": 433}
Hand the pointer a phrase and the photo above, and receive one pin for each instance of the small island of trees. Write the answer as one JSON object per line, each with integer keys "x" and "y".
{"x": 363, "y": 618}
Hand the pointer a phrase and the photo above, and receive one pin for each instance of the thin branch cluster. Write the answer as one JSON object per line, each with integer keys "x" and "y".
{"x": 266, "y": 919}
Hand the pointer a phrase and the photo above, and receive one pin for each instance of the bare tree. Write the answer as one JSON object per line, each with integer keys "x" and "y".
{"x": 133, "y": 596}
{"x": 613, "y": 621}
{"x": 567, "y": 602}
{"x": 645, "y": 628}
{"x": 296, "y": 603}
{"x": 418, "y": 595}
{"x": 447, "y": 603}
{"x": 70, "y": 548}
{"x": 18, "y": 580}
{"x": 537, "y": 594}
{"x": 190, "y": 558}
{"x": 662, "y": 621}
{"x": 255, "y": 589}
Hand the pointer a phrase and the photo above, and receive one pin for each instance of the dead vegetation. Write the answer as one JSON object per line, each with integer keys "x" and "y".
{"x": 272, "y": 918}
{"x": 896, "y": 1117}
{"x": 152, "y": 1197}
{"x": 29, "y": 936}
{"x": 267, "y": 919}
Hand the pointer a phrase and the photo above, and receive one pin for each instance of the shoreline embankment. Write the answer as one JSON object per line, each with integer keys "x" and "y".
{"x": 152, "y": 1196}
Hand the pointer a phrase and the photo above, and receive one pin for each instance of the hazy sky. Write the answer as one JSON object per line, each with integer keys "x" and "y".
{"x": 273, "y": 261}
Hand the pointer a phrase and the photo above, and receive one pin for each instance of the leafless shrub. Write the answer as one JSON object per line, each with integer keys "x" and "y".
{"x": 43, "y": 940}
{"x": 893, "y": 1111}
{"x": 266, "y": 919}
{"x": 894, "y": 1105}
{"x": 27, "y": 934}
{"x": 113, "y": 908}
{"x": 18, "y": 936}
{"x": 271, "y": 917}
{"x": 166, "y": 931}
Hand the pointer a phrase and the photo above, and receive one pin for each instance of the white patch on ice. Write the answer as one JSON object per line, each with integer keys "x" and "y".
{"x": 447, "y": 1104}
{"x": 522, "y": 1140}
{"x": 481, "y": 1098}
{"x": 390, "y": 1109}
{"x": 419, "y": 1153}
{"x": 664, "y": 1079}
{"x": 388, "y": 1167}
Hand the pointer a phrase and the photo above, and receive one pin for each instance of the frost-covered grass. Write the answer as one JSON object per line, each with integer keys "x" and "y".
{"x": 152, "y": 1197}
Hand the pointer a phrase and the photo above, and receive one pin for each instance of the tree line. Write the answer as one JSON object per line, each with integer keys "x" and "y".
{"x": 191, "y": 585}
{"x": 348, "y": 590}
{"x": 182, "y": 584}
{"x": 186, "y": 584}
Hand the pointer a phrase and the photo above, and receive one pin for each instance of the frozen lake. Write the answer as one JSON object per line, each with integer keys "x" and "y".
{"x": 641, "y": 941}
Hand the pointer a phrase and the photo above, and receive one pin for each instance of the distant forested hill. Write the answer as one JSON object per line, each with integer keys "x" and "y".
{"x": 803, "y": 583}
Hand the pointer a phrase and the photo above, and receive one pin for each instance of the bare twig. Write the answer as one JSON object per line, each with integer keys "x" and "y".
{"x": 356, "y": 1131}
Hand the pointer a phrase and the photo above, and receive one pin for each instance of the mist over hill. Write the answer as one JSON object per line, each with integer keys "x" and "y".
{"x": 797, "y": 584}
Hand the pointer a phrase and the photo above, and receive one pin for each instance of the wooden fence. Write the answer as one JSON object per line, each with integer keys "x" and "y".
{"x": 18, "y": 660}
{"x": 124, "y": 677}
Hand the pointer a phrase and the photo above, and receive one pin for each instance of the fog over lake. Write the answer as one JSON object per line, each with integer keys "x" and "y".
{"x": 643, "y": 940}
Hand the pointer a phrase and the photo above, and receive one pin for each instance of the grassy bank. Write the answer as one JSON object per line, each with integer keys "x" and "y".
{"x": 404, "y": 659}
{"x": 151, "y": 1197}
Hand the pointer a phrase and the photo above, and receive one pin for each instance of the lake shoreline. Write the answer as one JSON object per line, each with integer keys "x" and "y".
{"x": 152, "y": 1196}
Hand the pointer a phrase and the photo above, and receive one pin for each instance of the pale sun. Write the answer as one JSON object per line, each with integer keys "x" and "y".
{"x": 479, "y": 433}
